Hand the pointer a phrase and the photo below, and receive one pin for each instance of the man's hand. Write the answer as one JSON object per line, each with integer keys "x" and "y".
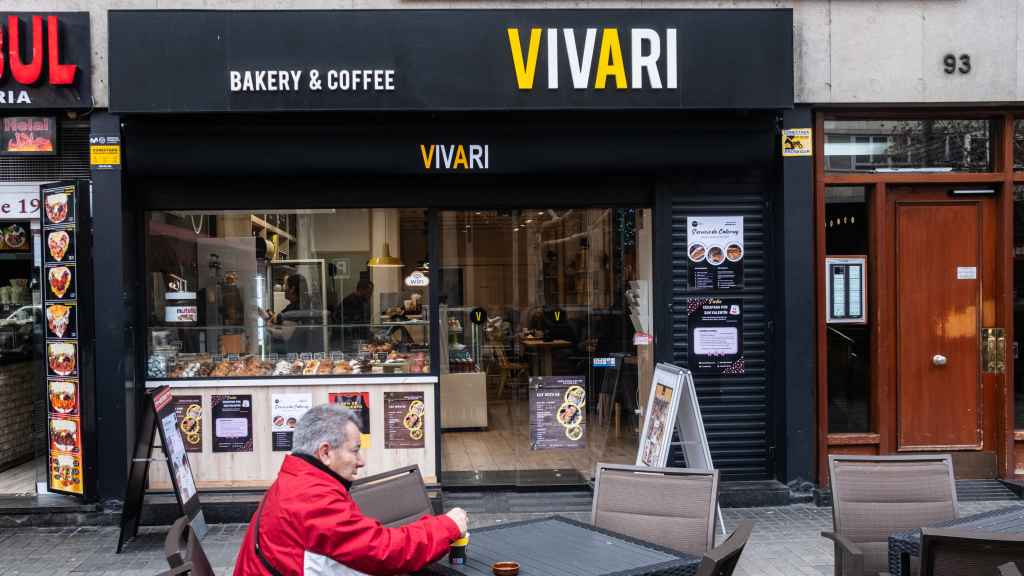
{"x": 458, "y": 515}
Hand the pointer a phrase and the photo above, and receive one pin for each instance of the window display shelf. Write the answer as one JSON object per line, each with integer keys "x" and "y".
{"x": 305, "y": 381}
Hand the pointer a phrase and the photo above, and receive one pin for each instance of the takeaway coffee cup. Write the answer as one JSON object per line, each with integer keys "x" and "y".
{"x": 457, "y": 550}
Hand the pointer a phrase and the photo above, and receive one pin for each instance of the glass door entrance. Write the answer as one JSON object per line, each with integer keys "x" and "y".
{"x": 539, "y": 372}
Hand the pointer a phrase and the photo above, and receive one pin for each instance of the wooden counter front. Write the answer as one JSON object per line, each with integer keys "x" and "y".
{"x": 258, "y": 469}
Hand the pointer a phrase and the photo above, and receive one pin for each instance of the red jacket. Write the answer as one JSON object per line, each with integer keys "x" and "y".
{"x": 309, "y": 525}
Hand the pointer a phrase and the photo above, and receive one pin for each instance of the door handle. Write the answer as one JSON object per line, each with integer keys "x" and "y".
{"x": 939, "y": 360}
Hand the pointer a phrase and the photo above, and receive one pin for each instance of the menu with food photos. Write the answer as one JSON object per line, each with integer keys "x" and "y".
{"x": 404, "y": 417}
{"x": 61, "y": 315}
{"x": 714, "y": 246}
{"x": 558, "y": 412}
{"x": 189, "y": 412}
{"x": 285, "y": 412}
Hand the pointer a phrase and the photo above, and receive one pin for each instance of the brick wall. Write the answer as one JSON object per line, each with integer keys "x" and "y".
{"x": 18, "y": 388}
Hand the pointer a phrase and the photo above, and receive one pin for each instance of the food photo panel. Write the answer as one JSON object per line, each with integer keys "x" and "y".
{"x": 60, "y": 282}
{"x": 61, "y": 320}
{"x": 63, "y": 396}
{"x": 59, "y": 245}
{"x": 61, "y": 358}
{"x": 59, "y": 207}
{"x": 15, "y": 237}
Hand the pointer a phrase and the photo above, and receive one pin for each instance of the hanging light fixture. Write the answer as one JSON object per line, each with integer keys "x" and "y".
{"x": 385, "y": 260}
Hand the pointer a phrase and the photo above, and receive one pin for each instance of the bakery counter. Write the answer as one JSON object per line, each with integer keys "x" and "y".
{"x": 304, "y": 381}
{"x": 237, "y": 431}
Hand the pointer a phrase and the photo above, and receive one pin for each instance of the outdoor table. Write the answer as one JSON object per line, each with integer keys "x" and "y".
{"x": 555, "y": 545}
{"x": 903, "y": 545}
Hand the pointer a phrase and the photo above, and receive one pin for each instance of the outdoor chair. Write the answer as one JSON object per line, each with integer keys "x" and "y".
{"x": 874, "y": 496}
{"x": 722, "y": 560}
{"x": 395, "y": 498}
{"x": 949, "y": 552}
{"x": 671, "y": 507}
{"x": 184, "y": 552}
{"x": 1010, "y": 569}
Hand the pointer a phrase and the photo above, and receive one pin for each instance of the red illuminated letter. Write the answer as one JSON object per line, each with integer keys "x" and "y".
{"x": 25, "y": 73}
{"x": 59, "y": 73}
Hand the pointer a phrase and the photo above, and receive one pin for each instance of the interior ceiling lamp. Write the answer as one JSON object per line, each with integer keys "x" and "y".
{"x": 385, "y": 260}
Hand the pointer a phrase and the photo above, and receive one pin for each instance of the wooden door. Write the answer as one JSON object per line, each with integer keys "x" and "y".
{"x": 945, "y": 293}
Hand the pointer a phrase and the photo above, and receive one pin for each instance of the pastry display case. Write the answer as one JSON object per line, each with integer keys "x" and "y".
{"x": 463, "y": 380}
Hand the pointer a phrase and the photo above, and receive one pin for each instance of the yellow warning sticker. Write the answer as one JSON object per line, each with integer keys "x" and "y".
{"x": 797, "y": 142}
{"x": 105, "y": 155}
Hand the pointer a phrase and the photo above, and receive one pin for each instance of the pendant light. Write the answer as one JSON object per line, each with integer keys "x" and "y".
{"x": 385, "y": 260}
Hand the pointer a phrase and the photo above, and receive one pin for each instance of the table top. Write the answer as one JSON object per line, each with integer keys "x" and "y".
{"x": 559, "y": 546}
{"x": 541, "y": 343}
{"x": 1005, "y": 520}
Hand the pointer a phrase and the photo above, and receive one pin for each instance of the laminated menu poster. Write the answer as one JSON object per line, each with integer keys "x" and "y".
{"x": 58, "y": 206}
{"x": 285, "y": 412}
{"x": 65, "y": 454}
{"x": 189, "y": 412}
{"x": 405, "y": 415}
{"x": 558, "y": 412}
{"x": 232, "y": 423}
{"x": 358, "y": 402}
{"x": 61, "y": 283}
{"x": 716, "y": 335}
{"x": 714, "y": 245}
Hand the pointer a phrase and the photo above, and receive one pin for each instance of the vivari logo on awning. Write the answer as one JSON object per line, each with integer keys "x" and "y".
{"x": 647, "y": 59}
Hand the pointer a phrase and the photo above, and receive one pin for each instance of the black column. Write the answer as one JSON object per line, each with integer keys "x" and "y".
{"x": 111, "y": 313}
{"x": 795, "y": 397}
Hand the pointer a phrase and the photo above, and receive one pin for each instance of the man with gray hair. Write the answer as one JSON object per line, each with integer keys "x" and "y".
{"x": 308, "y": 523}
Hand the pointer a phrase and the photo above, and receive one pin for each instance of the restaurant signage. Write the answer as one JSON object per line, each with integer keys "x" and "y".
{"x": 405, "y": 415}
{"x": 28, "y": 136}
{"x": 358, "y": 403}
{"x": 45, "y": 61}
{"x": 450, "y": 59}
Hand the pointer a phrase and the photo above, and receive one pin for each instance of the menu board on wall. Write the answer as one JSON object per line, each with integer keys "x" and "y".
{"x": 358, "y": 402}
{"x": 847, "y": 290}
{"x": 405, "y": 416}
{"x": 232, "y": 422}
{"x": 558, "y": 412}
{"x": 714, "y": 245}
{"x": 189, "y": 412}
{"x": 285, "y": 412}
{"x": 716, "y": 335}
{"x": 63, "y": 351}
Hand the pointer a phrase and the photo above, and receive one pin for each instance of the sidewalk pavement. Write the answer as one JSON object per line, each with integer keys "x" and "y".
{"x": 786, "y": 542}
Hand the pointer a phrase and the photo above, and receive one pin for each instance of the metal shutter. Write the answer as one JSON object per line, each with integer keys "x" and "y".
{"x": 71, "y": 161}
{"x": 735, "y": 408}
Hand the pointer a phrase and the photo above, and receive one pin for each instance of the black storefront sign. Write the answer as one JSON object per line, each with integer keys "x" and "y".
{"x": 53, "y": 68}
{"x": 716, "y": 335}
{"x": 197, "y": 61}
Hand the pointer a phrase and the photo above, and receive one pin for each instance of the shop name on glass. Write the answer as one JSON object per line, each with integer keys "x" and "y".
{"x": 376, "y": 80}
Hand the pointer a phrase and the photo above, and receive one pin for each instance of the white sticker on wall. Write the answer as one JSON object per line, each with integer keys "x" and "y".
{"x": 966, "y": 273}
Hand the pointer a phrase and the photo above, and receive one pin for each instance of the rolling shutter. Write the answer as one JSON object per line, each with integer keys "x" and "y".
{"x": 735, "y": 407}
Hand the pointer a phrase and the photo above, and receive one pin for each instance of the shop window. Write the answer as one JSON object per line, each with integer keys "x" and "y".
{"x": 287, "y": 293}
{"x": 1018, "y": 303}
{"x": 847, "y": 332}
{"x": 1018, "y": 145}
{"x": 939, "y": 145}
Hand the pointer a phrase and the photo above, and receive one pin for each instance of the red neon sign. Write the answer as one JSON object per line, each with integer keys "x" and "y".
{"x": 29, "y": 73}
